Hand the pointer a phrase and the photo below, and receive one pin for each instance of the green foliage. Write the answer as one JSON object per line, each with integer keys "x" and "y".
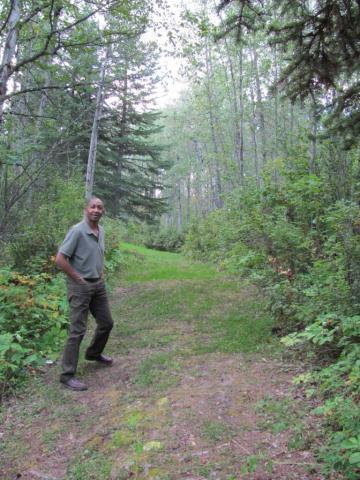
{"x": 211, "y": 238}
{"x": 153, "y": 236}
{"x": 134, "y": 232}
{"x": 341, "y": 452}
{"x": 33, "y": 319}
{"x": 44, "y": 227}
{"x": 167, "y": 240}
{"x": 113, "y": 254}
{"x": 313, "y": 66}
{"x": 301, "y": 246}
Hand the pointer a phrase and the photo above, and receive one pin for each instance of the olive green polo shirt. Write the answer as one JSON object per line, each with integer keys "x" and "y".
{"x": 84, "y": 250}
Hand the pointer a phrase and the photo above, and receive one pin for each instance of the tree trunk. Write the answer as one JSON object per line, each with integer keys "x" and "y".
{"x": 124, "y": 114}
{"x": 253, "y": 136}
{"x": 241, "y": 120}
{"x": 188, "y": 199}
{"x": 313, "y": 137}
{"x": 199, "y": 205}
{"x": 180, "y": 213}
{"x": 259, "y": 105}
{"x": 90, "y": 172}
{"x": 238, "y": 110}
{"x": 9, "y": 52}
{"x": 276, "y": 107}
{"x": 217, "y": 180}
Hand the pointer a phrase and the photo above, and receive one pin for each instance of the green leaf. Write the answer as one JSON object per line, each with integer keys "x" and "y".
{"x": 354, "y": 459}
{"x": 350, "y": 443}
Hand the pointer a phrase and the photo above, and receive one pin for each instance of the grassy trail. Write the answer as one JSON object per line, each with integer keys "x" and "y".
{"x": 197, "y": 390}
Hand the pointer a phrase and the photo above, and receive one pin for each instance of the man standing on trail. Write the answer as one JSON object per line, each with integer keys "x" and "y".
{"x": 81, "y": 257}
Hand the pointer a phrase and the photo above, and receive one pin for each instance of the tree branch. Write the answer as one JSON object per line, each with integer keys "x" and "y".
{"x": 29, "y": 115}
{"x": 48, "y": 87}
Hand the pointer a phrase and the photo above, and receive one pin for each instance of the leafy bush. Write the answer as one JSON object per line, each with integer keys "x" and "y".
{"x": 33, "y": 319}
{"x": 44, "y": 226}
{"x": 341, "y": 452}
{"x": 113, "y": 236}
{"x": 134, "y": 232}
{"x": 164, "y": 240}
{"x": 153, "y": 236}
{"x": 211, "y": 238}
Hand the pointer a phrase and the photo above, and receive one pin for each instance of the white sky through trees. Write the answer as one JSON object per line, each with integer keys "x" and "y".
{"x": 165, "y": 29}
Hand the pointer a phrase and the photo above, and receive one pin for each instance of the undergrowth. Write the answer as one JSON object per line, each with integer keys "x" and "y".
{"x": 305, "y": 257}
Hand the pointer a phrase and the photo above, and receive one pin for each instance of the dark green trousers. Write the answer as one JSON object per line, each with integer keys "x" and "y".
{"x": 82, "y": 299}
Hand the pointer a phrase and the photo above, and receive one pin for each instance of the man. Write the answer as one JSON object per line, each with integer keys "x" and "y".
{"x": 81, "y": 257}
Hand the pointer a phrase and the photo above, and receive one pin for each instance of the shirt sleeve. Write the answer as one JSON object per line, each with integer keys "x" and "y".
{"x": 69, "y": 244}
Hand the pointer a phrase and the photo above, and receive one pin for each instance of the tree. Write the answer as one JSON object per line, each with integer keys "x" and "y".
{"x": 321, "y": 40}
{"x": 50, "y": 84}
{"x": 130, "y": 166}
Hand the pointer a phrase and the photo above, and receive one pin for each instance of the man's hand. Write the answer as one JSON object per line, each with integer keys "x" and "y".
{"x": 81, "y": 281}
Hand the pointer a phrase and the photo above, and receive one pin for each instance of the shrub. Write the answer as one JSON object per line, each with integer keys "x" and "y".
{"x": 167, "y": 240}
{"x": 33, "y": 318}
{"x": 44, "y": 226}
{"x": 113, "y": 236}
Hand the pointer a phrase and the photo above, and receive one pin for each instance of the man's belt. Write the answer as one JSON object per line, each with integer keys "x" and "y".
{"x": 92, "y": 280}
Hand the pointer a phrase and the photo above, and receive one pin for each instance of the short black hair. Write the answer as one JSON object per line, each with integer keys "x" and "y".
{"x": 93, "y": 197}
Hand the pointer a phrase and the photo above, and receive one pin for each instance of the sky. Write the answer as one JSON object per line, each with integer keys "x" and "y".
{"x": 173, "y": 83}
{"x": 168, "y": 21}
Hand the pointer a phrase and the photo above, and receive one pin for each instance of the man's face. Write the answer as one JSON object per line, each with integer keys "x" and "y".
{"x": 94, "y": 210}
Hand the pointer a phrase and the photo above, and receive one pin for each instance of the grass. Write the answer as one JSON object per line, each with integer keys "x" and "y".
{"x": 241, "y": 327}
{"x": 158, "y": 369}
{"x": 214, "y": 431}
{"x": 282, "y": 414}
{"x": 224, "y": 314}
{"x": 150, "y": 265}
{"x": 90, "y": 466}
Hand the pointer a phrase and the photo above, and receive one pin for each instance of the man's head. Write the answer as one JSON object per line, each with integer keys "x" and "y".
{"x": 94, "y": 209}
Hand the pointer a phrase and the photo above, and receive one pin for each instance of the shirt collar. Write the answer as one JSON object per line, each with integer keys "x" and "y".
{"x": 88, "y": 229}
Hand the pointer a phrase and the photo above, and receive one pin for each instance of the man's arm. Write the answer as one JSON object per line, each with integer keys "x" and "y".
{"x": 63, "y": 263}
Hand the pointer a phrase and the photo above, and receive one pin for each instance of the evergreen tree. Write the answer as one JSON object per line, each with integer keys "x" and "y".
{"x": 321, "y": 42}
{"x": 130, "y": 164}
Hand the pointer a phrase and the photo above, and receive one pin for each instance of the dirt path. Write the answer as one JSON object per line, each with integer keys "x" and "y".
{"x": 182, "y": 401}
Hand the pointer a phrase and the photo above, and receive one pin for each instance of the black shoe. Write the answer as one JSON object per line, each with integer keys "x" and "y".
{"x": 104, "y": 359}
{"x": 74, "y": 384}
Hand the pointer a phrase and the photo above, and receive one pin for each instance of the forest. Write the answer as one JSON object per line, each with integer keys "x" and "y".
{"x": 253, "y": 167}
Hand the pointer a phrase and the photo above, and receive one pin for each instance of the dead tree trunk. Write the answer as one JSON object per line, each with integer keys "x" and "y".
{"x": 90, "y": 172}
